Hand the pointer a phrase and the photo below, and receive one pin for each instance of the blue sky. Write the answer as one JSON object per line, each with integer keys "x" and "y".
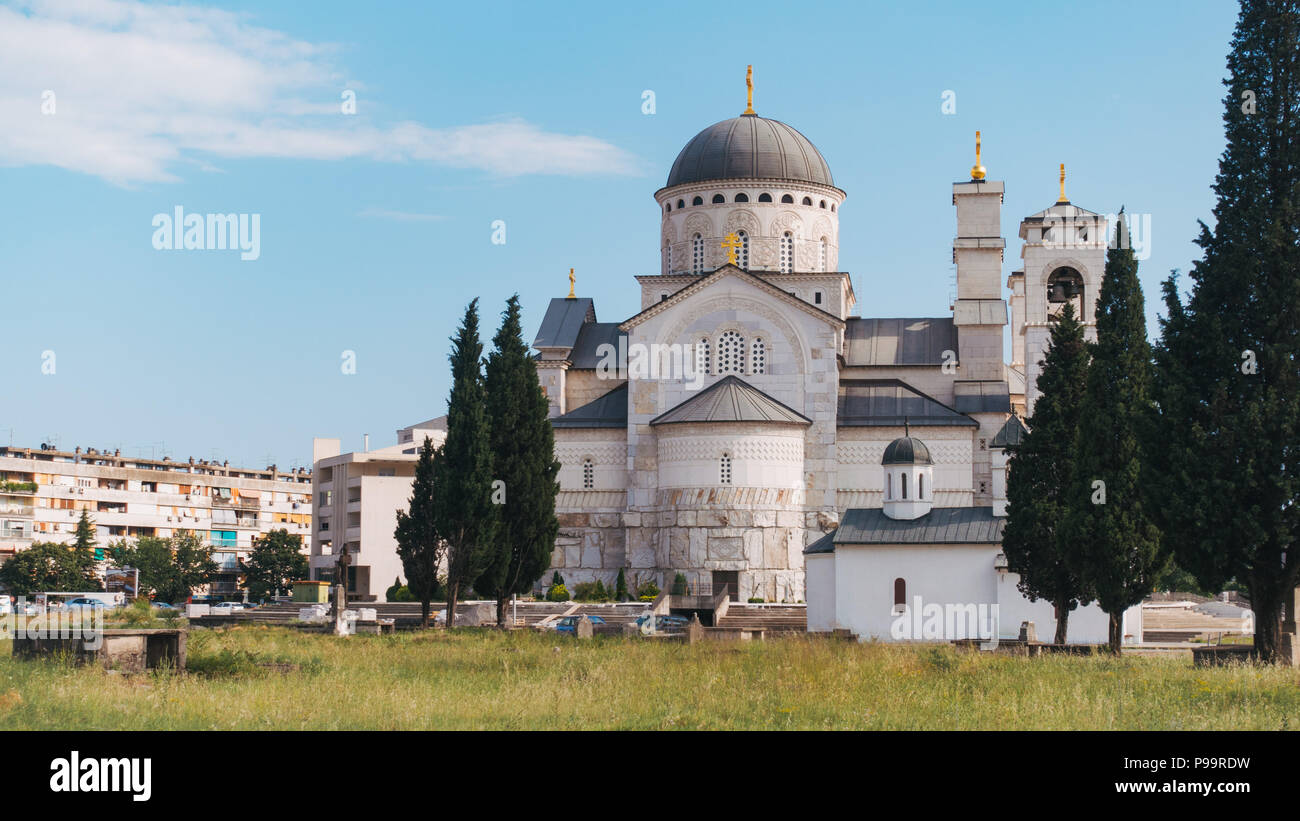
{"x": 376, "y": 227}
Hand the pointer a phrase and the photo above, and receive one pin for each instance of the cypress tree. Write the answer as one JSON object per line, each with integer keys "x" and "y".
{"x": 84, "y": 549}
{"x": 523, "y": 458}
{"x": 1229, "y": 378}
{"x": 467, "y": 519}
{"x": 1119, "y": 555}
{"x": 418, "y": 543}
{"x": 1041, "y": 477}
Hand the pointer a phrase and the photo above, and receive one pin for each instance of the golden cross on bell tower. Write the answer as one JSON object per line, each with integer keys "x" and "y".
{"x": 731, "y": 244}
{"x": 749, "y": 86}
{"x": 977, "y": 172}
{"x": 1062, "y": 197}
{"x": 572, "y": 280}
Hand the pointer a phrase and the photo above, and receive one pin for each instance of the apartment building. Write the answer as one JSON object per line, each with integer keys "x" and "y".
{"x": 43, "y": 492}
{"x": 357, "y": 496}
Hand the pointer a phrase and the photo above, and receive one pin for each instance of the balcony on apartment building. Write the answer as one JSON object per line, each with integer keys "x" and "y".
{"x": 236, "y": 504}
{"x": 19, "y": 531}
{"x": 15, "y": 487}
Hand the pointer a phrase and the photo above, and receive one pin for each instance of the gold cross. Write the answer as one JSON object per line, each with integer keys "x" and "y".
{"x": 730, "y": 245}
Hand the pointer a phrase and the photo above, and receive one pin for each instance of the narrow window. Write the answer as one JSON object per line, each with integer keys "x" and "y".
{"x": 807, "y": 200}
{"x": 758, "y": 357}
{"x": 697, "y": 201}
{"x": 764, "y": 197}
{"x": 697, "y": 254}
{"x": 724, "y": 469}
{"x": 787, "y": 253}
{"x": 588, "y": 475}
{"x": 742, "y": 253}
{"x": 823, "y": 204}
{"x": 668, "y": 208}
{"x": 742, "y": 198}
{"x": 718, "y": 199}
{"x": 681, "y": 204}
{"x": 787, "y": 199}
{"x": 662, "y": 297}
{"x": 900, "y": 595}
{"x": 817, "y": 297}
{"x": 889, "y": 486}
{"x": 904, "y": 480}
{"x": 731, "y": 353}
{"x": 920, "y": 487}
{"x": 822, "y": 255}
{"x": 668, "y": 258}
{"x": 702, "y": 357}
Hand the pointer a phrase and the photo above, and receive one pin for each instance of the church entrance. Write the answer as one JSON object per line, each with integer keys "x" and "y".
{"x": 728, "y": 579}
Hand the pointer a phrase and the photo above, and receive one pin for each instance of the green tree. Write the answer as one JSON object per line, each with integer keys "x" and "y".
{"x": 172, "y": 568}
{"x": 1120, "y": 553}
{"x": 84, "y": 544}
{"x": 467, "y": 519}
{"x": 274, "y": 563}
{"x": 620, "y": 587}
{"x": 46, "y": 567}
{"x": 1041, "y": 479}
{"x": 1228, "y": 382}
{"x": 523, "y": 458}
{"x": 418, "y": 544}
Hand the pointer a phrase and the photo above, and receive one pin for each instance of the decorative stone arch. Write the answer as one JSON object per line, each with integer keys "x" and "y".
{"x": 777, "y": 332}
{"x": 698, "y": 223}
{"x": 787, "y": 221}
{"x": 743, "y": 220}
{"x": 822, "y": 227}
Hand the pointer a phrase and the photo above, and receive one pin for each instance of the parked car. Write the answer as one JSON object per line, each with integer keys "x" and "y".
{"x": 227, "y": 607}
{"x": 27, "y": 609}
{"x": 664, "y": 624}
{"x": 83, "y": 601}
{"x": 569, "y": 624}
{"x": 162, "y": 605}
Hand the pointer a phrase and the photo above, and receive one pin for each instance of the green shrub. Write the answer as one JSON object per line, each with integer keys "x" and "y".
{"x": 620, "y": 587}
{"x": 138, "y": 612}
{"x": 556, "y": 578}
{"x": 557, "y": 593}
{"x": 648, "y": 591}
{"x": 679, "y": 585}
{"x": 648, "y": 597}
{"x": 755, "y": 600}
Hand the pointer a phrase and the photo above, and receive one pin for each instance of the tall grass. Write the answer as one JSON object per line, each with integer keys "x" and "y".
{"x": 262, "y": 677}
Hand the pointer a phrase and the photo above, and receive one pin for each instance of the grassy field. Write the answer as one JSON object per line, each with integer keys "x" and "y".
{"x": 261, "y": 677}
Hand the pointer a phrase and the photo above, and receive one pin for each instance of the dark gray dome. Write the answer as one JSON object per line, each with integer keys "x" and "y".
{"x": 749, "y": 146}
{"x": 906, "y": 451}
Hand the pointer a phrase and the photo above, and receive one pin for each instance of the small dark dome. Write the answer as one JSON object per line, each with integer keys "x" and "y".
{"x": 746, "y": 147}
{"x": 907, "y": 451}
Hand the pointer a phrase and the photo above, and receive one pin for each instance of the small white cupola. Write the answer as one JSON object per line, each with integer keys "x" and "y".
{"x": 909, "y": 478}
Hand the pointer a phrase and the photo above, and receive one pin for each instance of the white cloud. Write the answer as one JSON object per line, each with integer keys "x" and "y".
{"x": 141, "y": 89}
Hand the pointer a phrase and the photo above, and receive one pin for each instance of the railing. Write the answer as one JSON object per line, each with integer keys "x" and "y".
{"x": 15, "y": 510}
{"x": 14, "y": 533}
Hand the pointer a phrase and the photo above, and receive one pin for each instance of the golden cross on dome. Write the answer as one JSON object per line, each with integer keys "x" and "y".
{"x": 749, "y": 85}
{"x": 571, "y": 281}
{"x": 731, "y": 244}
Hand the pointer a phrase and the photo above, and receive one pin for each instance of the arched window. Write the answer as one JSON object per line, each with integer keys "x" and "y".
{"x": 724, "y": 469}
{"x": 702, "y": 357}
{"x": 697, "y": 254}
{"x": 832, "y": 208}
{"x": 681, "y": 204}
{"x": 588, "y": 475}
{"x": 668, "y": 207}
{"x": 787, "y": 253}
{"x": 764, "y": 197}
{"x": 742, "y": 198}
{"x": 807, "y": 200}
{"x": 822, "y": 204}
{"x": 920, "y": 487}
{"x": 742, "y": 253}
{"x": 889, "y": 486}
{"x": 731, "y": 353}
{"x": 758, "y": 357}
{"x": 903, "y": 477}
{"x": 718, "y": 198}
{"x": 786, "y": 198}
{"x": 697, "y": 201}
{"x": 822, "y": 255}
{"x": 900, "y": 595}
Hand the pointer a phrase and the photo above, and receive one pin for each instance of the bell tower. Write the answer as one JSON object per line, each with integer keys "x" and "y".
{"x": 1064, "y": 252}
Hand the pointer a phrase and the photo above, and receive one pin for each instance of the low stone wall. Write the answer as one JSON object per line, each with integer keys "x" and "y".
{"x": 130, "y": 651}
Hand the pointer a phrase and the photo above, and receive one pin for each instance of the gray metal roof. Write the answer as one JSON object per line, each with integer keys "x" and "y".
{"x": 981, "y": 397}
{"x": 942, "y": 525}
{"x": 731, "y": 399}
{"x": 890, "y": 403}
{"x": 749, "y": 146}
{"x": 564, "y": 319}
{"x": 920, "y": 341}
{"x": 1011, "y": 435}
{"x": 586, "y": 348}
{"x": 607, "y": 411}
{"x": 826, "y": 544}
{"x": 906, "y": 451}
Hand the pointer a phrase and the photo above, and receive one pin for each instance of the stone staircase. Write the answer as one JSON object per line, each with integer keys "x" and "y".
{"x": 788, "y": 618}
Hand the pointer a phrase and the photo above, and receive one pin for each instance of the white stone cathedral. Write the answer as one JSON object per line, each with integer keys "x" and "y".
{"x": 782, "y": 445}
